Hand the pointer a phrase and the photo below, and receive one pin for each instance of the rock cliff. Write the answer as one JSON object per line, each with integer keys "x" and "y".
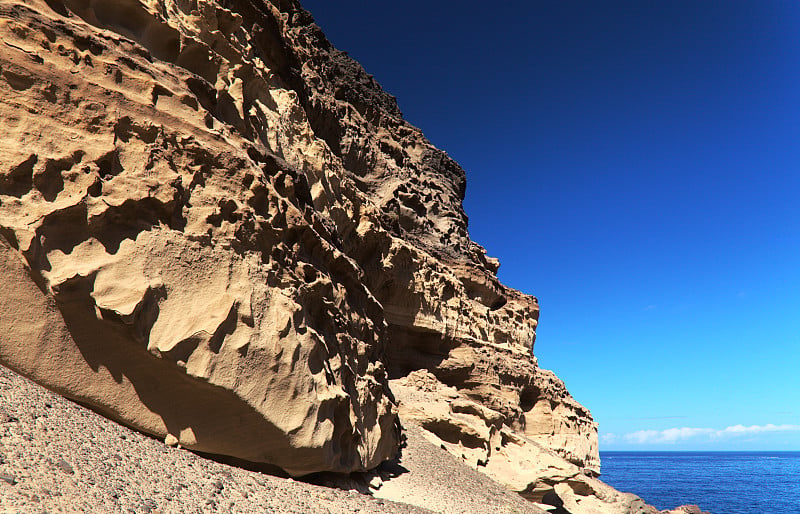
{"x": 218, "y": 229}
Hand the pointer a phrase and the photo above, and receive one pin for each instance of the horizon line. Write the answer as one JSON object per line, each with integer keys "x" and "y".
{"x": 700, "y": 451}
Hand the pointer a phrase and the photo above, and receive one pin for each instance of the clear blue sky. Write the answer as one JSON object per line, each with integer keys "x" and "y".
{"x": 636, "y": 166}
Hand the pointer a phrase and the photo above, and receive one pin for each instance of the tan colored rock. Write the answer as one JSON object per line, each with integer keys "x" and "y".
{"x": 218, "y": 229}
{"x": 161, "y": 262}
{"x": 586, "y": 495}
{"x": 186, "y": 191}
{"x": 478, "y": 436}
{"x": 557, "y": 421}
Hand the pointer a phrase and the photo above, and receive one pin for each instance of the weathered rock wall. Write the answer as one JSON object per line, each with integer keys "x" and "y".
{"x": 191, "y": 287}
{"x": 218, "y": 229}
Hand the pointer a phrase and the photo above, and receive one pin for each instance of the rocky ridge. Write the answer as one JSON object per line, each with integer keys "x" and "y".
{"x": 217, "y": 229}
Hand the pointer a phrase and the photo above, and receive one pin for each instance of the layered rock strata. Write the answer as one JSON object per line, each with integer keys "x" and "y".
{"x": 218, "y": 229}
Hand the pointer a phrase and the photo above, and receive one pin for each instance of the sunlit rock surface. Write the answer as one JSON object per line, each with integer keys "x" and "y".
{"x": 218, "y": 229}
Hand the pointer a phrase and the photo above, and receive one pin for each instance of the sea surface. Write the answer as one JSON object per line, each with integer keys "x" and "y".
{"x": 719, "y": 482}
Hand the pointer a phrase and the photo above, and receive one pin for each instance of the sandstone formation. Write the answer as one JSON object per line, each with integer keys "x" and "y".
{"x": 170, "y": 252}
{"x": 218, "y": 229}
{"x": 521, "y": 462}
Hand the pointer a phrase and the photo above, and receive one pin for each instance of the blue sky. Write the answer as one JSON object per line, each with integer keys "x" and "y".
{"x": 636, "y": 166}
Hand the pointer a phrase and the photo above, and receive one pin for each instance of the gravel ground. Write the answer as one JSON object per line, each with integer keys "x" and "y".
{"x": 56, "y": 456}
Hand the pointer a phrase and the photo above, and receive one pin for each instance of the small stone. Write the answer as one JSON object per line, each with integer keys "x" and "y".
{"x": 375, "y": 483}
{"x": 65, "y": 466}
{"x": 9, "y": 479}
{"x": 171, "y": 440}
{"x": 218, "y": 486}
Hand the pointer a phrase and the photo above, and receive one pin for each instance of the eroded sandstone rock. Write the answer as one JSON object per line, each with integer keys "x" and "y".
{"x": 161, "y": 262}
{"x": 217, "y": 228}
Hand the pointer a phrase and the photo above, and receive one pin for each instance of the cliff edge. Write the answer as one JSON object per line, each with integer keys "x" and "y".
{"x": 218, "y": 229}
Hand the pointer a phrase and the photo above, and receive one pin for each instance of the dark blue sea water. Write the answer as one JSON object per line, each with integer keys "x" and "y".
{"x": 720, "y": 482}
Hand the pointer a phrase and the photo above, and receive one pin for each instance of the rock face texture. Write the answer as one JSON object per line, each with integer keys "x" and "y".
{"x": 217, "y": 229}
{"x": 171, "y": 252}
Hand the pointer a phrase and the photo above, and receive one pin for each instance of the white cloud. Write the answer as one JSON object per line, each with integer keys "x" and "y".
{"x": 608, "y": 438}
{"x": 673, "y": 435}
{"x": 757, "y": 429}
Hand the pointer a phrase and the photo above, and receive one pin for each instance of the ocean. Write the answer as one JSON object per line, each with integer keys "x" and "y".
{"x": 719, "y": 482}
